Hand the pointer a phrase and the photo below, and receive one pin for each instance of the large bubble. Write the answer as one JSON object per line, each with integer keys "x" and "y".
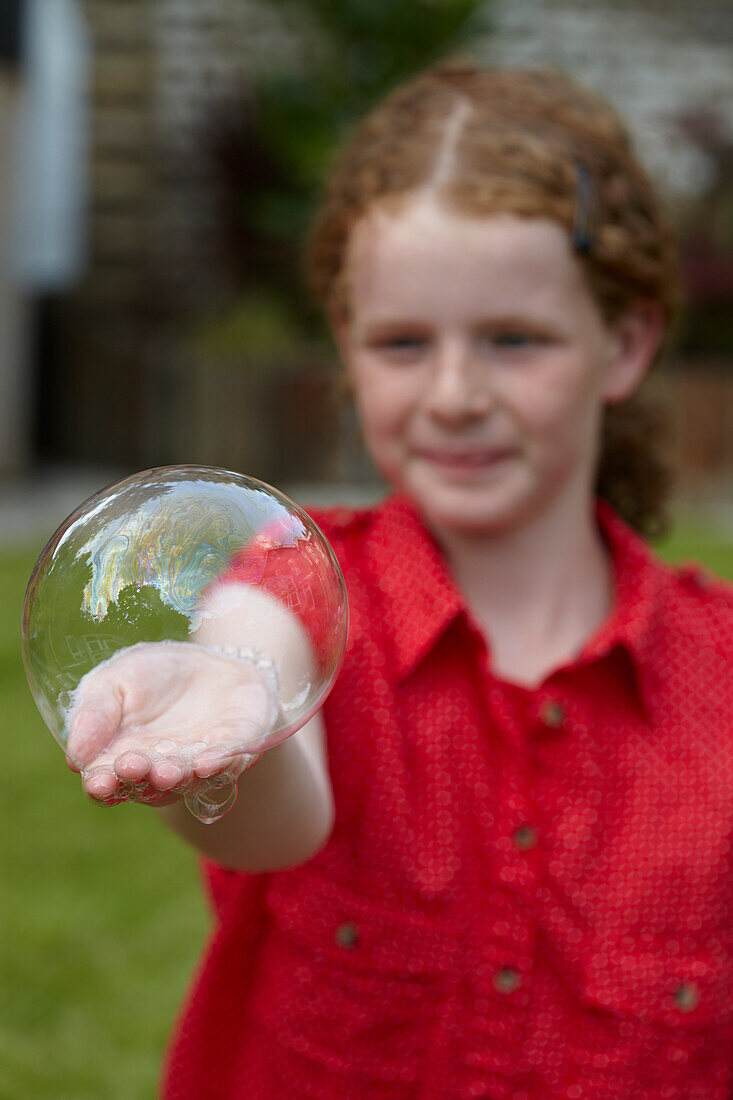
{"x": 173, "y": 569}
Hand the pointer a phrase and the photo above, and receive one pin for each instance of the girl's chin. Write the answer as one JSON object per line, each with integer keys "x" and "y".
{"x": 468, "y": 512}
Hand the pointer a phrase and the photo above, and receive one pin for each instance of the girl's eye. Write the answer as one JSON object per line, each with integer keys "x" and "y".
{"x": 513, "y": 339}
{"x": 403, "y": 343}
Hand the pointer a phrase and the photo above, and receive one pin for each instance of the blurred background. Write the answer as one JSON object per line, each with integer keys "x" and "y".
{"x": 161, "y": 161}
{"x": 163, "y": 158}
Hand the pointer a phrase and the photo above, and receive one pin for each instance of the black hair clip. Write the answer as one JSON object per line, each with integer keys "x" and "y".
{"x": 585, "y": 219}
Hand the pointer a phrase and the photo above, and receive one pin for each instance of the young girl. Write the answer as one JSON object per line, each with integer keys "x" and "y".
{"x": 498, "y": 863}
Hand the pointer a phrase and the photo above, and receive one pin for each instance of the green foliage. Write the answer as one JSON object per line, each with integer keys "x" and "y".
{"x": 368, "y": 47}
{"x": 270, "y": 148}
{"x": 258, "y": 325}
{"x": 695, "y": 544}
{"x": 67, "y": 641}
{"x": 142, "y": 615}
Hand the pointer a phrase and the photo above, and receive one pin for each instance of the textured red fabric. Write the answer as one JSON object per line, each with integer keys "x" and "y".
{"x": 527, "y": 894}
{"x": 285, "y": 561}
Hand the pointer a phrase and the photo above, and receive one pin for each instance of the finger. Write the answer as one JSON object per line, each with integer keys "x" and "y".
{"x": 92, "y": 724}
{"x": 70, "y": 763}
{"x": 209, "y": 765}
{"x": 215, "y": 759}
{"x": 233, "y": 761}
{"x": 100, "y": 784}
{"x": 167, "y": 774}
{"x": 132, "y": 766}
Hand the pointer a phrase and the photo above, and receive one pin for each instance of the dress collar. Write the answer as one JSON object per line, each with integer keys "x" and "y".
{"x": 636, "y": 620}
{"x": 421, "y": 598}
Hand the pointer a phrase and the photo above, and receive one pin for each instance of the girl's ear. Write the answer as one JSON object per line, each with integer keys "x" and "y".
{"x": 636, "y": 338}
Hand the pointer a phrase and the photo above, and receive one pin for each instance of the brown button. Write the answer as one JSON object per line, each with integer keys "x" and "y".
{"x": 347, "y": 935}
{"x": 525, "y": 837}
{"x": 687, "y": 996}
{"x": 553, "y": 715}
{"x": 507, "y": 980}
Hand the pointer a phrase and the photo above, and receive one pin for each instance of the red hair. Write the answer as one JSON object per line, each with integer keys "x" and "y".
{"x": 535, "y": 144}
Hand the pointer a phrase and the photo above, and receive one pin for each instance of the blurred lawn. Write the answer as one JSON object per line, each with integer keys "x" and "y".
{"x": 102, "y": 916}
{"x": 101, "y": 912}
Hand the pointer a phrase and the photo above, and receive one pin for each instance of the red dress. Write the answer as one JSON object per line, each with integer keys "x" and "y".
{"x": 527, "y": 895}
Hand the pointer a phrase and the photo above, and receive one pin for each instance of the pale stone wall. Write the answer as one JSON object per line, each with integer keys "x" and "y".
{"x": 121, "y": 176}
{"x": 653, "y": 60}
{"x": 160, "y": 65}
{"x": 14, "y": 380}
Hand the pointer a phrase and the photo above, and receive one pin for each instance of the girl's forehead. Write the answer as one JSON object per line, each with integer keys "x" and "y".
{"x": 425, "y": 254}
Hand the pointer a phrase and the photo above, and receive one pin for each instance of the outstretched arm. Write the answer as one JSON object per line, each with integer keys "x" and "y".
{"x": 182, "y": 694}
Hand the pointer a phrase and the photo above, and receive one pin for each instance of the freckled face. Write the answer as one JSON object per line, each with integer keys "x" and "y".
{"x": 479, "y": 360}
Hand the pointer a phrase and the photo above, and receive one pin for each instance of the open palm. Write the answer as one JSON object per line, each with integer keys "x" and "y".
{"x": 163, "y": 718}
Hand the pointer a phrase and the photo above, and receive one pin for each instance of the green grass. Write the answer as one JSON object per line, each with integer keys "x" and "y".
{"x": 102, "y": 916}
{"x": 687, "y": 544}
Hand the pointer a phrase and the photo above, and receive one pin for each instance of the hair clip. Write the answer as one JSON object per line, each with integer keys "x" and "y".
{"x": 585, "y": 219}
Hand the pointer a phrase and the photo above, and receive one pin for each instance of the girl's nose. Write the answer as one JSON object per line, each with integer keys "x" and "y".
{"x": 457, "y": 388}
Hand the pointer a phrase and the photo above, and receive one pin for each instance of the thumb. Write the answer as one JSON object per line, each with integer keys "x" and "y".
{"x": 92, "y": 724}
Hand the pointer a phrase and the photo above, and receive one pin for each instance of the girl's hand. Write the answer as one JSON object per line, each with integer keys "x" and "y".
{"x": 162, "y": 719}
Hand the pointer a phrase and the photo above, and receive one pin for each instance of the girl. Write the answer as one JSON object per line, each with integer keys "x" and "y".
{"x": 498, "y": 863}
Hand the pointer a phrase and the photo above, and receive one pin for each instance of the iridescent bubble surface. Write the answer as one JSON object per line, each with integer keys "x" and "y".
{"x": 196, "y": 555}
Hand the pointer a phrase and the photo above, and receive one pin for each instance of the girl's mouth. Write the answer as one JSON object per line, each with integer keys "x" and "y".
{"x": 464, "y": 460}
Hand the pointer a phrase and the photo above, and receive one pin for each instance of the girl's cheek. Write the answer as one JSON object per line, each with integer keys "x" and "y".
{"x": 382, "y": 401}
{"x": 553, "y": 397}
{"x": 377, "y": 417}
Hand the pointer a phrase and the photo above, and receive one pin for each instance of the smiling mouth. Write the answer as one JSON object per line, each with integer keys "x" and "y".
{"x": 465, "y": 460}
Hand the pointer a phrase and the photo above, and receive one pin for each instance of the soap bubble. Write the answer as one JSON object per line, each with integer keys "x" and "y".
{"x": 171, "y": 570}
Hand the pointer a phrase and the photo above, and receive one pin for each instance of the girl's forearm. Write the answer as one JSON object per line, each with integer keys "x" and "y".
{"x": 283, "y": 813}
{"x": 284, "y": 808}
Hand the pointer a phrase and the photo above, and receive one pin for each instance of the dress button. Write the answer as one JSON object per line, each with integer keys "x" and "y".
{"x": 347, "y": 935}
{"x": 507, "y": 980}
{"x": 525, "y": 837}
{"x": 687, "y": 996}
{"x": 553, "y": 715}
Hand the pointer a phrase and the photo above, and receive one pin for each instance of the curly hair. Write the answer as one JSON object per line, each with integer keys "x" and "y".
{"x": 535, "y": 144}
